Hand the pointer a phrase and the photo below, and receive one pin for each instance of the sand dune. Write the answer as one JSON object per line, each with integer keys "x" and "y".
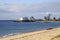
{"x": 39, "y": 35}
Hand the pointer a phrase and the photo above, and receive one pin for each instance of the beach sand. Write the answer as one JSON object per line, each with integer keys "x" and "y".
{"x": 38, "y": 35}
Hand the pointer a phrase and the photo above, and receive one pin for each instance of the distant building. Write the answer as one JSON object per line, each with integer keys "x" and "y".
{"x": 23, "y": 19}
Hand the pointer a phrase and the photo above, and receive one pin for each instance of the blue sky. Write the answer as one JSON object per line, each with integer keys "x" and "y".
{"x": 27, "y": 1}
{"x": 14, "y": 9}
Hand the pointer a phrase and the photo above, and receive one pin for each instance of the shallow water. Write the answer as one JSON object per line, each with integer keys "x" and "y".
{"x": 10, "y": 27}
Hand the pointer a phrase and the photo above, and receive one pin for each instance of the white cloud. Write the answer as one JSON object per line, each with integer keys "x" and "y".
{"x": 13, "y": 10}
{"x": 45, "y": 7}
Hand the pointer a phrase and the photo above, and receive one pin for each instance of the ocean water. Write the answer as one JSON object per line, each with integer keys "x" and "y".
{"x": 8, "y": 28}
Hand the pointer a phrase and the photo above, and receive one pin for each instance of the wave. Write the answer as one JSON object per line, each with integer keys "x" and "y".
{"x": 11, "y": 34}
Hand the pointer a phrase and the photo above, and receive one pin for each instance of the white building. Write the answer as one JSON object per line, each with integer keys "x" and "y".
{"x": 24, "y": 18}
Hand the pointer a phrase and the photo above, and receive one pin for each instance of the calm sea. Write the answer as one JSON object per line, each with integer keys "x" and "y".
{"x": 10, "y": 27}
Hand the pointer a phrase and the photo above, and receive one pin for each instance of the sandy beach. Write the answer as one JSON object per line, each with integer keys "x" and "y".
{"x": 38, "y": 35}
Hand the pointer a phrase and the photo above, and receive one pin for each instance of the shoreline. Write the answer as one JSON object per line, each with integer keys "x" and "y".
{"x": 38, "y": 35}
{"x": 25, "y": 21}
